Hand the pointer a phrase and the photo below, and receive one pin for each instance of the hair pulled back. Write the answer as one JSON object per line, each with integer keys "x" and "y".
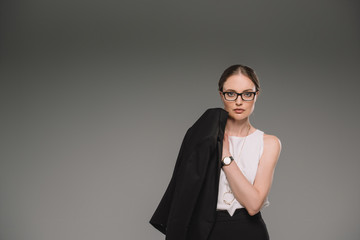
{"x": 237, "y": 69}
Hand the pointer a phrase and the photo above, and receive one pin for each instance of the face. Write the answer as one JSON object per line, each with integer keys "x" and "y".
{"x": 239, "y": 83}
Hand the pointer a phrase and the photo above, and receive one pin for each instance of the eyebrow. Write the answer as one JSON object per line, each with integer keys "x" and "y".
{"x": 229, "y": 90}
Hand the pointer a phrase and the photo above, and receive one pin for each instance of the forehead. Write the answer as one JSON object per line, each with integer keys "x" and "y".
{"x": 238, "y": 83}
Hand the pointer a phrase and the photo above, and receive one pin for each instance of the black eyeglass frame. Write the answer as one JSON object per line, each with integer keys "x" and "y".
{"x": 241, "y": 95}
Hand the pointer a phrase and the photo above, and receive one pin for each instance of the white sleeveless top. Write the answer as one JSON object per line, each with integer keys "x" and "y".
{"x": 247, "y": 162}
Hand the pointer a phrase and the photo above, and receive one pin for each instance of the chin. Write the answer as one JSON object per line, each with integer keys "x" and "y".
{"x": 238, "y": 116}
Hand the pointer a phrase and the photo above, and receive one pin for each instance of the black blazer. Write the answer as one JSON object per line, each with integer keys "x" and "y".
{"x": 188, "y": 208}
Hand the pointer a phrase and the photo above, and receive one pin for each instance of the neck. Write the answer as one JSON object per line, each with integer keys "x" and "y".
{"x": 238, "y": 127}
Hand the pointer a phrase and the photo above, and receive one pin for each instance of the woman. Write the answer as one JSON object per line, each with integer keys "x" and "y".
{"x": 248, "y": 161}
{"x": 223, "y": 172}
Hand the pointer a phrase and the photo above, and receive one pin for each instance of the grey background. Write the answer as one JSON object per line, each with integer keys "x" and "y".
{"x": 96, "y": 97}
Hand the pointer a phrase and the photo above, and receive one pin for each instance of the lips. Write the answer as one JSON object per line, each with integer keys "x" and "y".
{"x": 239, "y": 110}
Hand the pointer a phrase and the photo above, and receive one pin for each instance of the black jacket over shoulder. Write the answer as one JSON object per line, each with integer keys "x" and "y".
{"x": 188, "y": 208}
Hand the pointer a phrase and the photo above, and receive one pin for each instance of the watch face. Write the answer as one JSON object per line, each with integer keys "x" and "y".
{"x": 227, "y": 160}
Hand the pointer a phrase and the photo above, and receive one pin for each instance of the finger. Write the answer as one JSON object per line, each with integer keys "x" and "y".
{"x": 226, "y": 136}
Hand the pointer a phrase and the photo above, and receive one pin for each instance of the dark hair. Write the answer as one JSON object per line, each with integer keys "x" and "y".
{"x": 236, "y": 69}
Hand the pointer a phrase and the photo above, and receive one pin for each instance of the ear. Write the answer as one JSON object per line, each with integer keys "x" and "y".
{"x": 221, "y": 97}
{"x": 257, "y": 95}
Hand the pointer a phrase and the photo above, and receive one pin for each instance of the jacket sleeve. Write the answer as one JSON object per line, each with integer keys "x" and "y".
{"x": 161, "y": 215}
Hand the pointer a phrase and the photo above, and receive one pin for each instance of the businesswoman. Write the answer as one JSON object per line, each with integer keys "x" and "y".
{"x": 248, "y": 161}
{"x": 224, "y": 170}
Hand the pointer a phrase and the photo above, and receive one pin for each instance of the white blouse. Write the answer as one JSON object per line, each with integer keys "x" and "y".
{"x": 247, "y": 161}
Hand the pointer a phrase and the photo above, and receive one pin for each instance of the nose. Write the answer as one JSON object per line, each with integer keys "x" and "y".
{"x": 238, "y": 100}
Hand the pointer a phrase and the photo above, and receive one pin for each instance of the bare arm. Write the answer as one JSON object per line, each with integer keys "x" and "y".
{"x": 251, "y": 196}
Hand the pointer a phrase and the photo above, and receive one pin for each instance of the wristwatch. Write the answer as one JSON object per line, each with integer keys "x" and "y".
{"x": 226, "y": 161}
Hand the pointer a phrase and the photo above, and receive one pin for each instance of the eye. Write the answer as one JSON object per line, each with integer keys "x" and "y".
{"x": 230, "y": 94}
{"x": 248, "y": 94}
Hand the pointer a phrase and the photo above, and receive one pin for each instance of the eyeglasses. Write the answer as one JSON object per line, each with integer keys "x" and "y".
{"x": 232, "y": 96}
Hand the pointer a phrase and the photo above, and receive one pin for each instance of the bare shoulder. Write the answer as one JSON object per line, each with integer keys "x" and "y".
{"x": 272, "y": 144}
{"x": 272, "y": 140}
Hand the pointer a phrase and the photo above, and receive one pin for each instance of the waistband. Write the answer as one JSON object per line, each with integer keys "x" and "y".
{"x": 240, "y": 213}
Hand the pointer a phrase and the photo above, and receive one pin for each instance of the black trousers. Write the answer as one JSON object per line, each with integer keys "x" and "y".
{"x": 241, "y": 226}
